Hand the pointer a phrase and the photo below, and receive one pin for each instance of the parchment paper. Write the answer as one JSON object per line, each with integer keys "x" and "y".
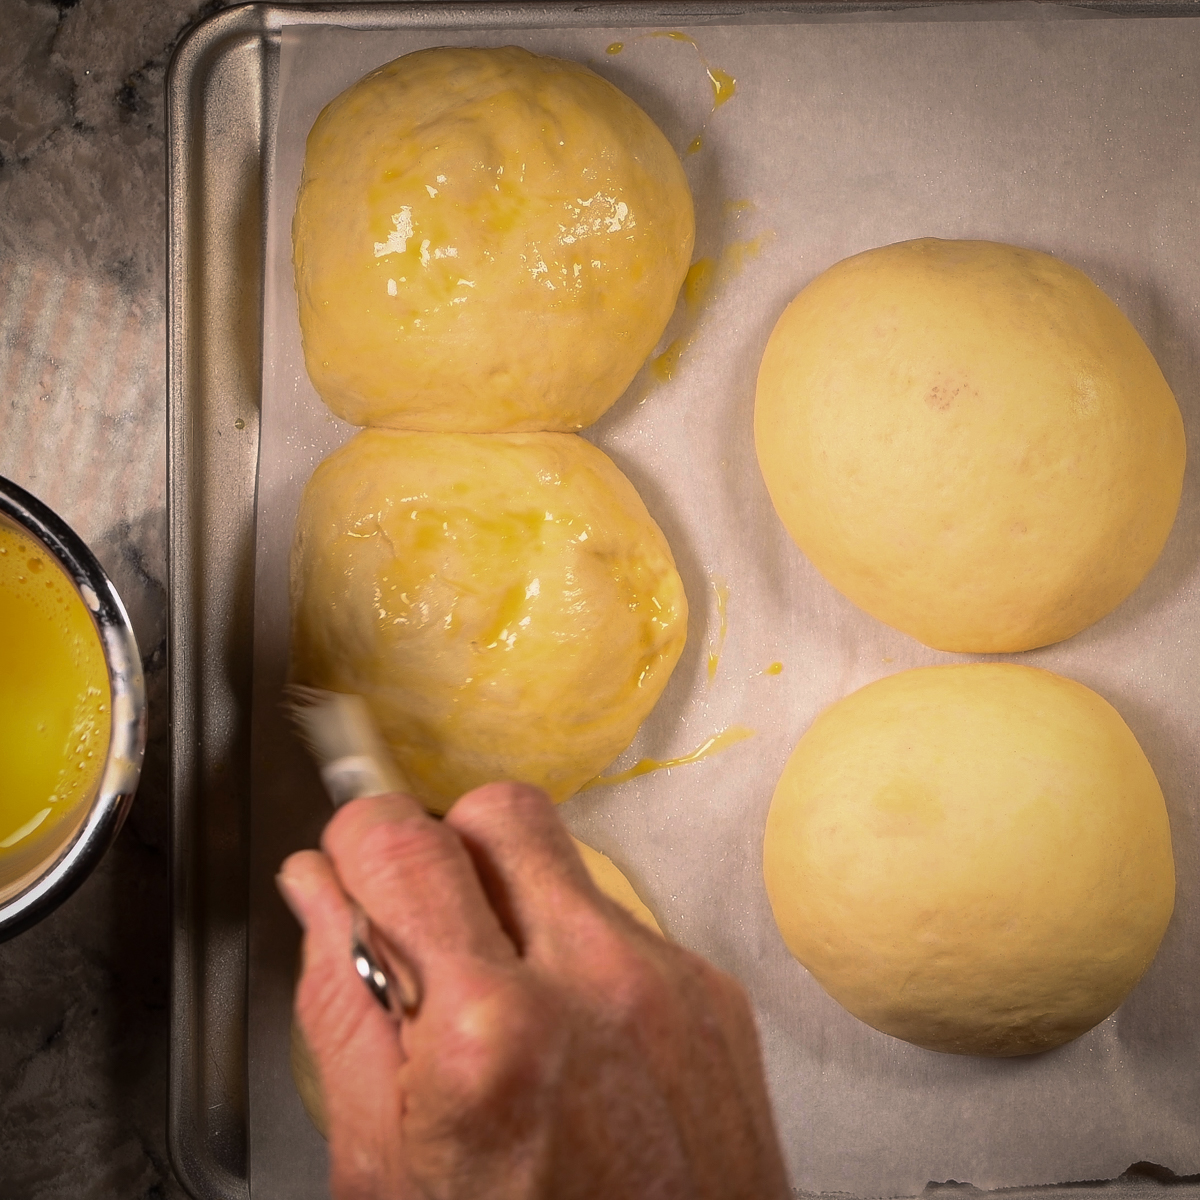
{"x": 1078, "y": 137}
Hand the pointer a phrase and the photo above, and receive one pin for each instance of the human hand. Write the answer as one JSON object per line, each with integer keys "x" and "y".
{"x": 559, "y": 1051}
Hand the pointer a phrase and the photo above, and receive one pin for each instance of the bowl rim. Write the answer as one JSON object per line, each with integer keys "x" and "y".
{"x": 78, "y": 856}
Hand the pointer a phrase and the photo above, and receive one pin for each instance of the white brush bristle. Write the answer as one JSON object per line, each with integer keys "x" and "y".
{"x": 336, "y": 727}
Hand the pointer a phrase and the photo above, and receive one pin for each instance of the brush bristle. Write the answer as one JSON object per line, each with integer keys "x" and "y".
{"x": 338, "y": 725}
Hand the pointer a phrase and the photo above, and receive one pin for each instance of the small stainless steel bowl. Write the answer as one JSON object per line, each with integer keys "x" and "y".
{"x": 33, "y": 889}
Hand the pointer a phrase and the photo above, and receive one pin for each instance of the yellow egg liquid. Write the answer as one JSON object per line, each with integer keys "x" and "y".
{"x": 717, "y": 644}
{"x": 714, "y": 745}
{"x": 703, "y": 275}
{"x": 55, "y": 706}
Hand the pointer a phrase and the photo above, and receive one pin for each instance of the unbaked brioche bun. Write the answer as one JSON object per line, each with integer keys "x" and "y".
{"x": 973, "y": 858}
{"x": 969, "y": 441}
{"x": 503, "y": 602}
{"x": 485, "y": 240}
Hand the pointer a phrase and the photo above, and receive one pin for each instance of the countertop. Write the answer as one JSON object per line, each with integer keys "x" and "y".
{"x": 83, "y": 995}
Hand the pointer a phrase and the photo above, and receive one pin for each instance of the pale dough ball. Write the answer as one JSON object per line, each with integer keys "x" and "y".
{"x": 504, "y": 603}
{"x": 307, "y": 1079}
{"x": 973, "y": 858}
{"x": 605, "y": 875}
{"x": 969, "y": 441}
{"x": 485, "y": 240}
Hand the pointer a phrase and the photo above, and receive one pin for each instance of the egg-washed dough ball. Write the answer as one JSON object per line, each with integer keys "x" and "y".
{"x": 485, "y": 240}
{"x": 970, "y": 441}
{"x": 504, "y": 603}
{"x": 607, "y": 877}
{"x": 973, "y": 858}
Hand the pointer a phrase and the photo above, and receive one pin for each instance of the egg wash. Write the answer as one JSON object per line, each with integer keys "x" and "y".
{"x": 55, "y": 708}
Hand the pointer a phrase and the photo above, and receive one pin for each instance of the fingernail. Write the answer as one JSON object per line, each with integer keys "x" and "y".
{"x": 291, "y": 894}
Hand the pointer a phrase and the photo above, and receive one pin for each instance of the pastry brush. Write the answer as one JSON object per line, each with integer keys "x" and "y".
{"x": 353, "y": 760}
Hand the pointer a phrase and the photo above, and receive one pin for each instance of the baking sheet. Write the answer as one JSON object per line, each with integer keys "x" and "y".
{"x": 1074, "y": 137}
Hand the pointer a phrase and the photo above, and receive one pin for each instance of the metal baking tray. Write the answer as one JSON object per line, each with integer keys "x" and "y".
{"x": 222, "y": 89}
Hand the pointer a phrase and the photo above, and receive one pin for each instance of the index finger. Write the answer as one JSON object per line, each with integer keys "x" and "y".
{"x": 530, "y": 865}
{"x": 352, "y": 1041}
{"x": 415, "y": 880}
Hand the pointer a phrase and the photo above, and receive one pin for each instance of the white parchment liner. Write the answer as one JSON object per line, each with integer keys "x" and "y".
{"x": 1077, "y": 137}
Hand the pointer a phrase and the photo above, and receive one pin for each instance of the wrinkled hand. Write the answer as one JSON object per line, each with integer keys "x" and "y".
{"x": 559, "y": 1052}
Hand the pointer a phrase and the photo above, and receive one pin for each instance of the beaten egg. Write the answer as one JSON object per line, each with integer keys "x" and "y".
{"x": 55, "y": 706}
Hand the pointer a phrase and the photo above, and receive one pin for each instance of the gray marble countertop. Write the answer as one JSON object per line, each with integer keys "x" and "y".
{"x": 83, "y": 995}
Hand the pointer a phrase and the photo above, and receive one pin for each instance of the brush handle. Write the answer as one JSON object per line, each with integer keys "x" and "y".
{"x": 354, "y": 761}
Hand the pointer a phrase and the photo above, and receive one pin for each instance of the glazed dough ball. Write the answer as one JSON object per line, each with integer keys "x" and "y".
{"x": 605, "y": 875}
{"x": 969, "y": 441}
{"x": 485, "y": 240}
{"x": 504, "y": 603}
{"x": 973, "y": 858}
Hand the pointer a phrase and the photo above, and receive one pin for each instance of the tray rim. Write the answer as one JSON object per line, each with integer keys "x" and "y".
{"x": 199, "y": 52}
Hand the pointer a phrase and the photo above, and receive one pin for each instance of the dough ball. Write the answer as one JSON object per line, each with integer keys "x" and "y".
{"x": 485, "y": 240}
{"x": 306, "y": 1079}
{"x": 973, "y": 858}
{"x": 605, "y": 875}
{"x": 504, "y": 603}
{"x": 969, "y": 441}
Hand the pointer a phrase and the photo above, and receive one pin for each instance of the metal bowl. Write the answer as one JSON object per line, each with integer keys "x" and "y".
{"x": 31, "y": 889}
